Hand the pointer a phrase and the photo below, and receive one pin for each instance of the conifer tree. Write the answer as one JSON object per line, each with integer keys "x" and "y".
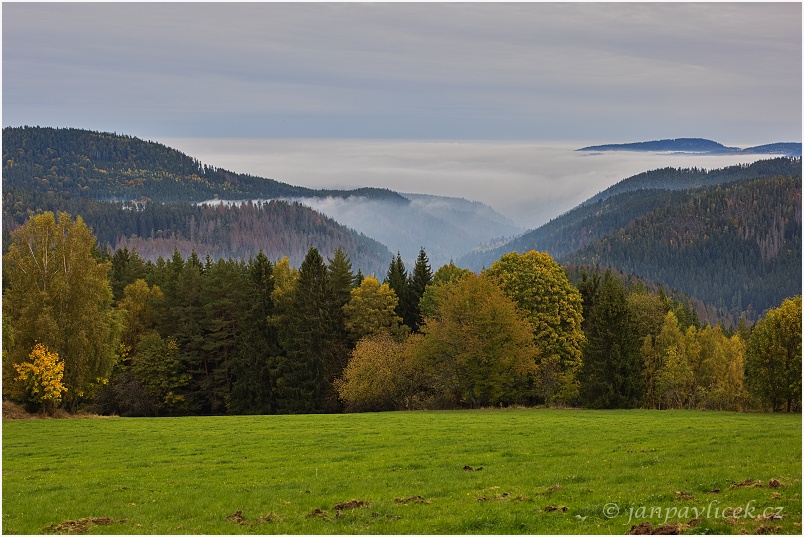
{"x": 127, "y": 267}
{"x": 185, "y": 315}
{"x": 223, "y": 302}
{"x": 341, "y": 279}
{"x": 612, "y": 367}
{"x": 253, "y": 383}
{"x": 309, "y": 369}
{"x": 340, "y": 276}
{"x": 397, "y": 280}
{"x": 421, "y": 277}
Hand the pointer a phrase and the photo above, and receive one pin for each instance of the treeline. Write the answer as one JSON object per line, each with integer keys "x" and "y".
{"x": 277, "y": 228}
{"x": 202, "y": 336}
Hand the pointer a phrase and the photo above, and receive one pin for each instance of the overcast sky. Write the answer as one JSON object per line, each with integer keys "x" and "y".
{"x": 446, "y": 71}
{"x": 436, "y": 98}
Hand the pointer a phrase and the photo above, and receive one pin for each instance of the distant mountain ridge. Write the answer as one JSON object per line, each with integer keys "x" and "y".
{"x": 700, "y": 145}
{"x": 737, "y": 247}
{"x": 683, "y": 178}
{"x": 116, "y": 167}
{"x": 619, "y": 204}
{"x": 41, "y": 161}
{"x": 743, "y": 219}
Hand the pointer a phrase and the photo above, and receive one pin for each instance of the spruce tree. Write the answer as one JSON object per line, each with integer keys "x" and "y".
{"x": 308, "y": 369}
{"x": 612, "y": 368}
{"x": 422, "y": 277}
{"x": 224, "y": 302}
{"x": 185, "y": 316}
{"x": 358, "y": 279}
{"x": 340, "y": 276}
{"x": 397, "y": 280}
{"x": 341, "y": 279}
{"x": 127, "y": 267}
{"x": 253, "y": 383}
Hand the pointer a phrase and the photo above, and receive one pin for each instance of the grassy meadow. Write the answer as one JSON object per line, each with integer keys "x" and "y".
{"x": 532, "y": 471}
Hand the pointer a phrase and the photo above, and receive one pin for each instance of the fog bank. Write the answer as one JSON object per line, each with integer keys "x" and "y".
{"x": 528, "y": 182}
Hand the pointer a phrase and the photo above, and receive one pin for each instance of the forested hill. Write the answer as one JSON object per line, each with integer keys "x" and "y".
{"x": 110, "y": 166}
{"x": 736, "y": 247}
{"x": 695, "y": 145}
{"x": 620, "y": 204}
{"x": 683, "y": 178}
{"x": 278, "y": 228}
{"x": 74, "y": 164}
{"x": 741, "y": 247}
{"x": 700, "y": 145}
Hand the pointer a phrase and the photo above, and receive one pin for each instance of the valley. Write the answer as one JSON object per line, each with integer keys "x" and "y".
{"x": 151, "y": 198}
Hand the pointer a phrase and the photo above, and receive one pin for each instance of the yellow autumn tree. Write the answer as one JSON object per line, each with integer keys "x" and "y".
{"x": 55, "y": 292}
{"x": 553, "y": 306}
{"x": 371, "y": 309}
{"x": 42, "y": 377}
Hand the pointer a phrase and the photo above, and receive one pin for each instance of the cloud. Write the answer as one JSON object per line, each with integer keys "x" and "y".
{"x": 529, "y": 182}
{"x": 397, "y": 70}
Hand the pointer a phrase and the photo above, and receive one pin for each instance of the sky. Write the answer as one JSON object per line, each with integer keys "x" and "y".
{"x": 424, "y": 73}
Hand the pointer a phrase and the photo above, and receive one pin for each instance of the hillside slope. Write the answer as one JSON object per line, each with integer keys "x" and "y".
{"x": 684, "y": 178}
{"x": 83, "y": 164}
{"x": 618, "y": 205}
{"x": 736, "y": 247}
{"x": 445, "y": 227}
{"x": 277, "y": 228}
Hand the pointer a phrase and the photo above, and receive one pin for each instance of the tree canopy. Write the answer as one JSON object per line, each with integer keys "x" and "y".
{"x": 553, "y": 306}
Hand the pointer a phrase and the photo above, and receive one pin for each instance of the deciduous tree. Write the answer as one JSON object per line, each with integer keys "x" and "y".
{"x": 773, "y": 366}
{"x": 371, "y": 310}
{"x": 553, "y": 306}
{"x": 479, "y": 346}
{"x": 42, "y": 377}
{"x": 57, "y": 294}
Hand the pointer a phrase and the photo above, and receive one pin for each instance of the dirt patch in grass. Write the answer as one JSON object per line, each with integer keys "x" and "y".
{"x": 748, "y": 483}
{"x": 766, "y": 530}
{"x": 317, "y": 513}
{"x": 236, "y": 518}
{"x": 774, "y": 483}
{"x": 674, "y": 528}
{"x": 551, "y": 508}
{"x": 468, "y": 468}
{"x": 82, "y": 525}
{"x": 352, "y": 504}
{"x": 680, "y": 496}
{"x": 549, "y": 490}
{"x": 412, "y": 499}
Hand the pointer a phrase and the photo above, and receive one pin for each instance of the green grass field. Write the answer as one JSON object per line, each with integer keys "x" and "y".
{"x": 543, "y": 471}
